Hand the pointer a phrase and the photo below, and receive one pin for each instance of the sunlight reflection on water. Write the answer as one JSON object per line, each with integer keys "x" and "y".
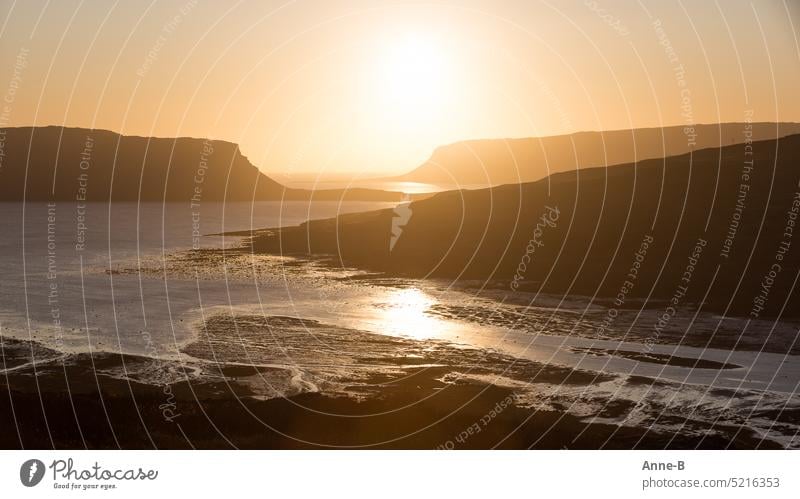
{"x": 403, "y": 312}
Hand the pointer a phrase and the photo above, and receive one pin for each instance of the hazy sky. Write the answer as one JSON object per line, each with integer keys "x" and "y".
{"x": 373, "y": 86}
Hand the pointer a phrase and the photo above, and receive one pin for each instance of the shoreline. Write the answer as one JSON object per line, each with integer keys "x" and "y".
{"x": 429, "y": 395}
{"x": 119, "y": 414}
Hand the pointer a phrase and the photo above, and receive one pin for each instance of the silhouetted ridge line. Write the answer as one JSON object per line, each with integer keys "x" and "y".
{"x": 490, "y": 162}
{"x": 651, "y": 215}
{"x": 69, "y": 164}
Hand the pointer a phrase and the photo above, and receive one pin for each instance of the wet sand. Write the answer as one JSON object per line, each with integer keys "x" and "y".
{"x": 425, "y": 396}
{"x": 268, "y": 375}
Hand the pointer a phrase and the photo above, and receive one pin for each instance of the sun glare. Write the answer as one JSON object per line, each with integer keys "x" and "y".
{"x": 412, "y": 78}
{"x": 404, "y": 313}
{"x": 413, "y": 71}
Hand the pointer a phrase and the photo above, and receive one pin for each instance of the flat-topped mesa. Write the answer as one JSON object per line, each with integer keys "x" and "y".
{"x": 491, "y": 162}
{"x": 77, "y": 164}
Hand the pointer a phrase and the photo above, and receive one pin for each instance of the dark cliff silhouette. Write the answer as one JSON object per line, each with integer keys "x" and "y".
{"x": 512, "y": 161}
{"x": 711, "y": 217}
{"x": 65, "y": 164}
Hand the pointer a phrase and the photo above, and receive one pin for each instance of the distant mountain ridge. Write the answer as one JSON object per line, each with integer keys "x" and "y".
{"x": 491, "y": 162}
{"x": 66, "y": 164}
{"x": 581, "y": 232}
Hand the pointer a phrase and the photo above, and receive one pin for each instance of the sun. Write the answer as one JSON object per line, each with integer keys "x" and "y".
{"x": 411, "y": 78}
{"x": 413, "y": 70}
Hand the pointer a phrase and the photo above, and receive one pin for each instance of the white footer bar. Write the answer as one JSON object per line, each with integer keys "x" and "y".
{"x": 378, "y": 474}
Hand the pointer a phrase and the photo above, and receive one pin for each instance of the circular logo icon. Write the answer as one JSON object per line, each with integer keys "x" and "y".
{"x": 31, "y": 472}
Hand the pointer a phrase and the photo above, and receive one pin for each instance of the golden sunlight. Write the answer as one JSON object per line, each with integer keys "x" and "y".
{"x": 411, "y": 78}
{"x": 414, "y": 71}
{"x": 405, "y": 314}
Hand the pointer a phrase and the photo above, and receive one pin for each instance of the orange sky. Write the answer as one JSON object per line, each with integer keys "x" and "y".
{"x": 373, "y": 86}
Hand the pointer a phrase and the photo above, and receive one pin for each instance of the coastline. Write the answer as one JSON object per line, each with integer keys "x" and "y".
{"x": 123, "y": 414}
{"x": 397, "y": 393}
